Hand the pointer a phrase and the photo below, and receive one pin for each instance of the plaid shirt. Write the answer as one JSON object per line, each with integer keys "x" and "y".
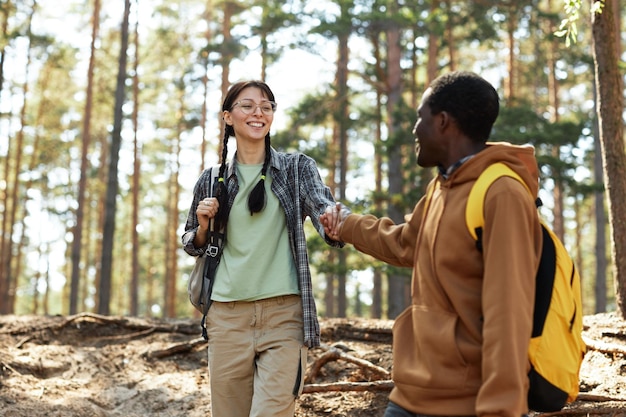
{"x": 297, "y": 184}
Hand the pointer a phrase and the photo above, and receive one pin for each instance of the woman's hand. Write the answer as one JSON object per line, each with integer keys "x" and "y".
{"x": 333, "y": 219}
{"x": 207, "y": 209}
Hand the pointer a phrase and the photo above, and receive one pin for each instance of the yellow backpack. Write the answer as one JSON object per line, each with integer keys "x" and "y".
{"x": 556, "y": 348}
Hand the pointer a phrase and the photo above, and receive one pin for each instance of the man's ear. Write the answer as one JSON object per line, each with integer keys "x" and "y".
{"x": 444, "y": 120}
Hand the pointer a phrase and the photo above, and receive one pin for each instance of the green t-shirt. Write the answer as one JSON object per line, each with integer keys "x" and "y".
{"x": 257, "y": 262}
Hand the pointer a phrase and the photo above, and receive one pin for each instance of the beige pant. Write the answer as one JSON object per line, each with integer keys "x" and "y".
{"x": 257, "y": 358}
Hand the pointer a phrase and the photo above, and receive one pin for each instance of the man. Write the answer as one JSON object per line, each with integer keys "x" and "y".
{"x": 460, "y": 349}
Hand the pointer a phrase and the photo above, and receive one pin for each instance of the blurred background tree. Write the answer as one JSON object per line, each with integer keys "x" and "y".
{"x": 348, "y": 76}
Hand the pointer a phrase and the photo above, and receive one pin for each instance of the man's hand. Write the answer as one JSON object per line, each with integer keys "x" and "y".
{"x": 333, "y": 219}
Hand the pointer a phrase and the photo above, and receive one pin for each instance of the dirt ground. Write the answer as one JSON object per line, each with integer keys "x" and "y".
{"x": 88, "y": 365}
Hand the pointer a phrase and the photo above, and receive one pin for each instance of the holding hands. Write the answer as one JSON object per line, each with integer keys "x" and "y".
{"x": 333, "y": 219}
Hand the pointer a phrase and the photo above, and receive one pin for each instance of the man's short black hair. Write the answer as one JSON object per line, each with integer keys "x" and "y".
{"x": 469, "y": 99}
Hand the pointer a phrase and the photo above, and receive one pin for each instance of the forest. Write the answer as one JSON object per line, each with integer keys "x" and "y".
{"x": 109, "y": 111}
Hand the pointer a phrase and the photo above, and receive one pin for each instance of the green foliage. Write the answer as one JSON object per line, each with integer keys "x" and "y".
{"x": 308, "y": 129}
{"x": 568, "y": 28}
{"x": 175, "y": 56}
{"x": 275, "y": 17}
{"x": 554, "y": 143}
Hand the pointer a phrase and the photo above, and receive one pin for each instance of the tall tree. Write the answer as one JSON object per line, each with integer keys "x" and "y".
{"x": 9, "y": 273}
{"x": 610, "y": 106}
{"x": 473, "y": 23}
{"x": 104, "y": 290}
{"x": 338, "y": 28}
{"x": 6, "y": 169}
{"x": 434, "y": 35}
{"x": 5, "y": 12}
{"x": 206, "y": 64}
{"x": 511, "y": 26}
{"x": 553, "y": 96}
{"x": 374, "y": 34}
{"x": 173, "y": 196}
{"x": 228, "y": 51}
{"x": 449, "y": 31}
{"x": 397, "y": 282}
{"x": 43, "y": 101}
{"x": 274, "y": 17}
{"x": 600, "y": 216}
{"x": 77, "y": 241}
{"x": 134, "y": 279}
{"x": 340, "y": 135}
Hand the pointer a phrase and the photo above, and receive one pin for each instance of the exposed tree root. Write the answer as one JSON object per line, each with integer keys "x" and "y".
{"x": 333, "y": 354}
{"x": 604, "y": 347}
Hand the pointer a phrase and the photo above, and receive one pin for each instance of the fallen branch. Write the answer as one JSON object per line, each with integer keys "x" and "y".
{"x": 376, "y": 331}
{"x": 616, "y": 335}
{"x": 142, "y": 327}
{"x": 23, "y": 341}
{"x": 604, "y": 347}
{"x": 175, "y": 349}
{"x": 586, "y": 411}
{"x": 571, "y": 412}
{"x": 34, "y": 366}
{"x": 348, "y": 386}
{"x": 132, "y": 323}
{"x": 334, "y": 354}
{"x": 598, "y": 398}
{"x": 9, "y": 367}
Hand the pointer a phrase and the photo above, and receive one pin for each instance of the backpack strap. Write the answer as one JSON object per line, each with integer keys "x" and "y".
{"x": 474, "y": 213}
{"x": 213, "y": 251}
{"x": 215, "y": 237}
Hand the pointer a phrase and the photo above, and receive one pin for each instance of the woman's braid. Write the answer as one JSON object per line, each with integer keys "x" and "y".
{"x": 221, "y": 191}
{"x": 256, "y": 199}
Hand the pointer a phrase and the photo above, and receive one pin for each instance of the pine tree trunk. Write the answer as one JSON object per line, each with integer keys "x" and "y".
{"x": 396, "y": 281}
{"x": 134, "y": 279}
{"x": 108, "y": 234}
{"x": 4, "y": 286}
{"x": 610, "y": 107}
{"x": 14, "y": 200}
{"x": 342, "y": 120}
{"x": 77, "y": 242}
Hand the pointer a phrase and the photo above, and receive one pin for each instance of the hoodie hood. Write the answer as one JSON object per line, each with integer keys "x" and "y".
{"x": 520, "y": 158}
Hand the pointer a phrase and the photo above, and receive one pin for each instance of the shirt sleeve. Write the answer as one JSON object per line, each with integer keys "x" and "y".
{"x": 382, "y": 238}
{"x": 511, "y": 252}
{"x": 317, "y": 197}
{"x": 200, "y": 192}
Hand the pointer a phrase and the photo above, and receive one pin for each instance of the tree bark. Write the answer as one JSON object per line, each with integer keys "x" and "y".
{"x": 600, "y": 218}
{"x": 396, "y": 281}
{"x": 170, "y": 256}
{"x": 342, "y": 121}
{"x": 12, "y": 202}
{"x": 558, "y": 225}
{"x": 104, "y": 294}
{"x": 134, "y": 253}
{"x": 77, "y": 242}
{"x": 609, "y": 107}
{"x": 208, "y": 11}
{"x": 227, "y": 56}
{"x": 6, "y": 168}
{"x": 450, "y": 36}
{"x": 433, "y": 47}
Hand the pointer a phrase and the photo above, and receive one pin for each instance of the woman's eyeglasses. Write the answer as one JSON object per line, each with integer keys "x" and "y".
{"x": 249, "y": 106}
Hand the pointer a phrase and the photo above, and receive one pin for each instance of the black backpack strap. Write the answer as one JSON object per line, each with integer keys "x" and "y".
{"x": 213, "y": 252}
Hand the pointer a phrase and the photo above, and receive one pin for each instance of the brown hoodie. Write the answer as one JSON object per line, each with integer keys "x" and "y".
{"x": 460, "y": 348}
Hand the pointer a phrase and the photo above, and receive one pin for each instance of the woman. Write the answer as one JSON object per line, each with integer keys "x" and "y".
{"x": 263, "y": 316}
